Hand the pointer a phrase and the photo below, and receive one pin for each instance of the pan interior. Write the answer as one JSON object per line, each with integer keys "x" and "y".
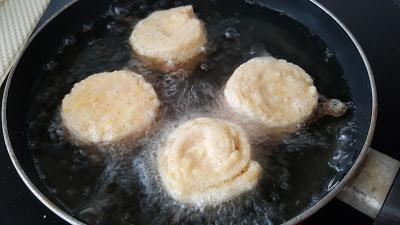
{"x": 102, "y": 189}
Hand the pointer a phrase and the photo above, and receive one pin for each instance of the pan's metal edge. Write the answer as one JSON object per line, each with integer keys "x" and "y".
{"x": 55, "y": 209}
{"x": 367, "y": 143}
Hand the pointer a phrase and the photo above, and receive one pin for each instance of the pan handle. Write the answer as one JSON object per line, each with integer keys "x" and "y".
{"x": 375, "y": 189}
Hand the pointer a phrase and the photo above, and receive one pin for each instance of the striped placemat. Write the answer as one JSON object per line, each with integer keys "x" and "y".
{"x": 17, "y": 21}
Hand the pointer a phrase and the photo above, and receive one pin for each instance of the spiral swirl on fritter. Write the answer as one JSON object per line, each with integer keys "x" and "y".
{"x": 207, "y": 161}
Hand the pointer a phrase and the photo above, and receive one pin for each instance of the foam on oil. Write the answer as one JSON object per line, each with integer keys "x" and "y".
{"x": 116, "y": 184}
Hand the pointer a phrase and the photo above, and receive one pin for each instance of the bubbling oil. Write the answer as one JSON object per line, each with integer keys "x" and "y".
{"x": 118, "y": 184}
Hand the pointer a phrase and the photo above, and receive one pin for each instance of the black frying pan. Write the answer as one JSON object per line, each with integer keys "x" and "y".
{"x": 90, "y": 36}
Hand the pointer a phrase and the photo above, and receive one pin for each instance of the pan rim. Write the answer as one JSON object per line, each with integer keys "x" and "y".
{"x": 27, "y": 181}
{"x": 365, "y": 149}
{"x": 295, "y": 220}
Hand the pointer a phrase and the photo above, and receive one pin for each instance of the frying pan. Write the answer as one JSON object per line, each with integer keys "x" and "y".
{"x": 323, "y": 26}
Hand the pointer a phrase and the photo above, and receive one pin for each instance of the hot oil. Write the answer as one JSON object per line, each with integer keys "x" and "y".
{"x": 120, "y": 184}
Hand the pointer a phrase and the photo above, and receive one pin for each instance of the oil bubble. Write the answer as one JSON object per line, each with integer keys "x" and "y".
{"x": 231, "y": 33}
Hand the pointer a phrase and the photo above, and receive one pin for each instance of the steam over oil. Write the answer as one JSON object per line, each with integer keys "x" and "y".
{"x": 118, "y": 184}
